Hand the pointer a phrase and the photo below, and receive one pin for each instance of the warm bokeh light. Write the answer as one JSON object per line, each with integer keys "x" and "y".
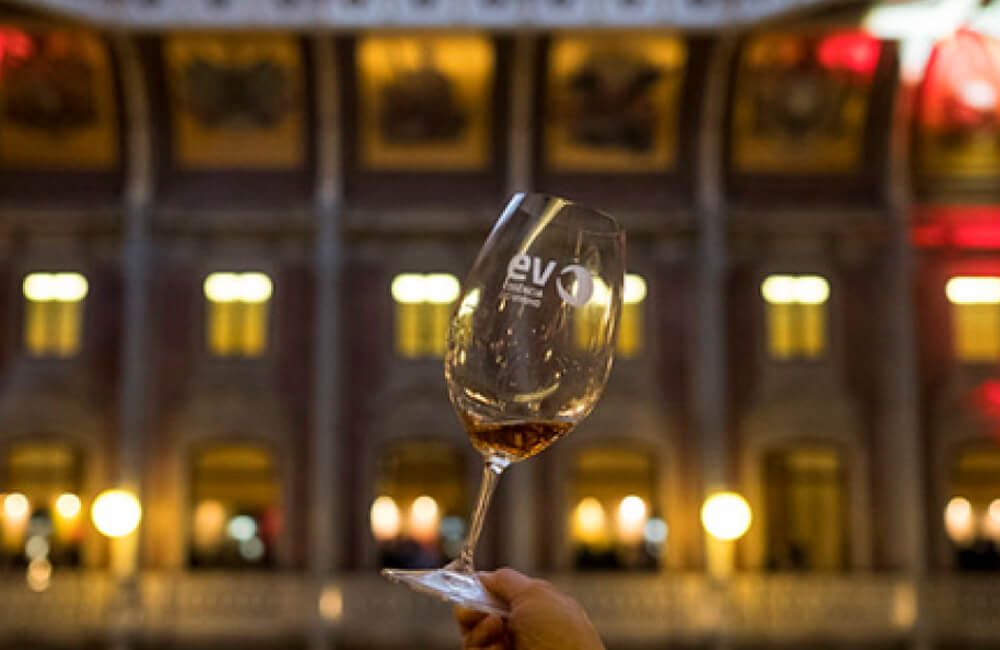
{"x": 15, "y": 506}
{"x": 251, "y": 287}
{"x": 991, "y": 521}
{"x": 969, "y": 290}
{"x": 331, "y": 604}
{"x": 209, "y": 524}
{"x": 631, "y": 518}
{"x": 800, "y": 289}
{"x": 385, "y": 519}
{"x": 39, "y": 574}
{"x": 435, "y": 288}
{"x": 59, "y": 287}
{"x": 441, "y": 288}
{"x": 726, "y": 515}
{"x": 589, "y": 521}
{"x": 424, "y": 518}
{"x": 635, "y": 289}
{"x": 958, "y": 521}
{"x": 116, "y": 513}
{"x": 68, "y": 505}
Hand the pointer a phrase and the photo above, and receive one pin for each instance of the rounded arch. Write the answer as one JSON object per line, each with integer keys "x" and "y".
{"x": 278, "y": 458}
{"x": 420, "y": 412}
{"x": 622, "y": 421}
{"x": 814, "y": 418}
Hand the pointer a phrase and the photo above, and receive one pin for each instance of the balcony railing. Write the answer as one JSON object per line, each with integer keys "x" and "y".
{"x": 365, "y": 610}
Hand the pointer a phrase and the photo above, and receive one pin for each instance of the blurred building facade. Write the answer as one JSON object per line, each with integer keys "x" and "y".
{"x": 233, "y": 232}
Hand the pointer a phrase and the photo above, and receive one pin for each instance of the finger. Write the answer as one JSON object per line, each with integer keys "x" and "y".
{"x": 489, "y": 632}
{"x": 468, "y": 618}
{"x": 506, "y": 583}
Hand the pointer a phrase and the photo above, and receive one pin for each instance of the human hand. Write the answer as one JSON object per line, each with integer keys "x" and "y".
{"x": 541, "y": 618}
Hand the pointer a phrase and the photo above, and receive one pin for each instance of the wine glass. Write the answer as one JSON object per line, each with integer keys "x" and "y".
{"x": 530, "y": 345}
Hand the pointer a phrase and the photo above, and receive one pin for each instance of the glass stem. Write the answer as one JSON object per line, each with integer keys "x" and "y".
{"x": 491, "y": 476}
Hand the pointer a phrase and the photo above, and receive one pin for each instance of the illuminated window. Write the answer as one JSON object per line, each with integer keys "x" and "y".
{"x": 796, "y": 315}
{"x": 417, "y": 515}
{"x": 423, "y": 306}
{"x": 238, "y": 306}
{"x": 235, "y": 516}
{"x": 53, "y": 315}
{"x": 972, "y": 514}
{"x": 975, "y": 314}
{"x": 589, "y": 328}
{"x": 40, "y": 508}
{"x": 806, "y": 510}
{"x": 613, "y": 522}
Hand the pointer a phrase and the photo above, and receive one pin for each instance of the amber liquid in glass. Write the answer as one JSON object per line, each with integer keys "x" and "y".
{"x": 515, "y": 440}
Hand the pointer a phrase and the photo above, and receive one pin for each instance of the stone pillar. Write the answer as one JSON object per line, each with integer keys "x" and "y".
{"x": 325, "y": 505}
{"x": 709, "y": 363}
{"x": 899, "y": 454}
{"x": 520, "y": 482}
{"x": 133, "y": 399}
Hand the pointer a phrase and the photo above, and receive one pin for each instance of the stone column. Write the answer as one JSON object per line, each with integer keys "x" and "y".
{"x": 520, "y": 539}
{"x": 709, "y": 388}
{"x": 325, "y": 505}
{"x": 135, "y": 264}
{"x": 709, "y": 363}
{"x": 899, "y": 456}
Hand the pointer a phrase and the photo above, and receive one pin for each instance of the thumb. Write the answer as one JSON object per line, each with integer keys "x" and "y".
{"x": 506, "y": 583}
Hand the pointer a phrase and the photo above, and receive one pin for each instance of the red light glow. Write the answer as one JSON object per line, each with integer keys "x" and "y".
{"x": 14, "y": 44}
{"x": 854, "y": 51}
{"x": 969, "y": 227}
{"x": 987, "y": 398}
{"x": 961, "y": 87}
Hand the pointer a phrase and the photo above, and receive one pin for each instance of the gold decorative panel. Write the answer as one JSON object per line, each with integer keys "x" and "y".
{"x": 236, "y": 100}
{"x": 57, "y": 100}
{"x": 613, "y": 103}
{"x": 801, "y": 102}
{"x": 425, "y": 102}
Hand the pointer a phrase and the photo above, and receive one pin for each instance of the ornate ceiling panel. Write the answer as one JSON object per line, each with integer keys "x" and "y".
{"x": 350, "y": 14}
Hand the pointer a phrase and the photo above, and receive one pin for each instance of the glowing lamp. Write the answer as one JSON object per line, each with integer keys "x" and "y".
{"x": 116, "y": 513}
{"x": 589, "y": 521}
{"x": 60, "y": 287}
{"x": 441, "y": 288}
{"x": 958, "y": 522}
{"x": 68, "y": 505}
{"x": 635, "y": 289}
{"x": 424, "y": 518}
{"x": 385, "y": 519}
{"x": 973, "y": 290}
{"x": 726, "y": 515}
{"x": 631, "y": 518}
{"x": 795, "y": 289}
{"x": 15, "y": 506}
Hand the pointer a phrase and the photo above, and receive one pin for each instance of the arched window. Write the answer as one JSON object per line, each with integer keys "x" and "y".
{"x": 972, "y": 516}
{"x": 42, "y": 514}
{"x": 806, "y": 507}
{"x": 796, "y": 315}
{"x": 235, "y": 507}
{"x": 614, "y": 522}
{"x": 237, "y": 309}
{"x": 590, "y": 328}
{"x": 417, "y": 517}
{"x": 423, "y": 306}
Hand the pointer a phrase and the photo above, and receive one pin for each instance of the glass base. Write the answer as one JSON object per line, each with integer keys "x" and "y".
{"x": 450, "y": 585}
